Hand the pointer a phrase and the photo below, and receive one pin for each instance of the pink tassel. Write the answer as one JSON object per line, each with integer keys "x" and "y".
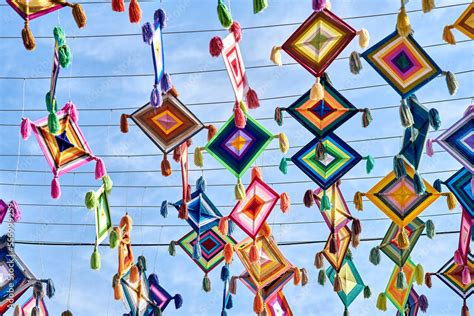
{"x": 252, "y": 99}
{"x": 458, "y": 258}
{"x": 235, "y": 28}
{"x": 25, "y": 128}
{"x": 55, "y": 188}
{"x": 319, "y": 5}
{"x": 429, "y": 147}
{"x": 100, "y": 170}
{"x": 466, "y": 276}
{"x": 71, "y": 109}
{"x": 216, "y": 46}
{"x": 285, "y": 202}
{"x": 15, "y": 211}
{"x": 239, "y": 116}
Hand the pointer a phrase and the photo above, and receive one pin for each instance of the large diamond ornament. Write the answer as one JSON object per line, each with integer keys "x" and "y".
{"x": 465, "y": 23}
{"x": 399, "y": 297}
{"x": 343, "y": 239}
{"x": 351, "y": 282}
{"x": 340, "y": 158}
{"x": 338, "y": 216}
{"x": 318, "y": 41}
{"x": 402, "y": 62}
{"x": 278, "y": 306}
{"x": 268, "y": 291}
{"x": 451, "y": 275}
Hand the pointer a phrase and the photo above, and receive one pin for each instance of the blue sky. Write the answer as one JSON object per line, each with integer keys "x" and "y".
{"x": 88, "y": 292}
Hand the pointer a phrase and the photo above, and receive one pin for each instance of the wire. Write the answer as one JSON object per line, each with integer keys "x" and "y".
{"x": 257, "y": 27}
{"x": 284, "y": 243}
{"x": 187, "y": 225}
{"x": 34, "y": 185}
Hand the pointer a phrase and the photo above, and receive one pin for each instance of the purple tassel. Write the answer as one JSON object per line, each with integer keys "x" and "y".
{"x": 319, "y": 5}
{"x": 15, "y": 211}
{"x": 429, "y": 147}
{"x": 155, "y": 99}
{"x": 178, "y": 301}
{"x": 160, "y": 19}
{"x": 423, "y": 303}
{"x": 153, "y": 279}
{"x": 147, "y": 33}
{"x": 166, "y": 83}
{"x": 25, "y": 128}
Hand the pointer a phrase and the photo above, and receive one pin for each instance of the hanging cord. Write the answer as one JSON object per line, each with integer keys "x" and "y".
{"x": 156, "y": 253}
{"x": 72, "y": 256}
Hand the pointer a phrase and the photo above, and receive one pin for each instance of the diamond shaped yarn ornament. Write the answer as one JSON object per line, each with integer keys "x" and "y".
{"x": 351, "y": 281}
{"x": 137, "y": 294}
{"x": 160, "y": 296}
{"x": 399, "y": 297}
{"x": 412, "y": 307}
{"x": 278, "y": 306}
{"x": 461, "y": 185}
{"x": 269, "y": 291}
{"x": 464, "y": 24}
{"x": 458, "y": 140}
{"x": 402, "y": 62}
{"x": 65, "y": 151}
{"x": 338, "y": 215}
{"x": 340, "y": 241}
{"x": 340, "y": 158}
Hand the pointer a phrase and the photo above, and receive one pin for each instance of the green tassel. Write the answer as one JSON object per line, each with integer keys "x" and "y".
{"x": 239, "y": 191}
{"x": 51, "y": 105}
{"x": 434, "y": 118}
{"x": 369, "y": 163}
{"x": 64, "y": 56}
{"x": 206, "y": 284}
{"x": 401, "y": 281}
{"x": 374, "y": 256}
{"x": 346, "y": 312}
{"x": 382, "y": 302}
{"x": 418, "y": 184}
{"x": 419, "y": 274}
{"x": 259, "y": 6}
{"x": 325, "y": 203}
{"x": 91, "y": 200}
{"x": 95, "y": 260}
{"x": 322, "y": 277}
{"x": 430, "y": 229}
{"x": 59, "y": 35}
{"x": 107, "y": 183}
{"x": 172, "y": 248}
{"x": 53, "y": 123}
{"x": 283, "y": 165}
{"x": 114, "y": 239}
{"x": 367, "y": 292}
{"x": 451, "y": 82}
{"x": 224, "y": 14}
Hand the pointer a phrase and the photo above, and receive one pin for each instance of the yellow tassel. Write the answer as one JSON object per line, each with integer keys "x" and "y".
{"x": 428, "y": 5}
{"x": 198, "y": 159}
{"x": 283, "y": 141}
{"x": 451, "y": 201}
{"x": 28, "y": 38}
{"x": 403, "y": 23}
{"x": 358, "y": 201}
{"x": 364, "y": 38}
{"x": 79, "y": 15}
{"x": 317, "y": 91}
{"x": 275, "y": 56}
{"x": 402, "y": 239}
{"x": 448, "y": 35}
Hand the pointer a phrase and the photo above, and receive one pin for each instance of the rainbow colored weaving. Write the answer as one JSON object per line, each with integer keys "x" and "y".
{"x": 458, "y": 140}
{"x": 464, "y": 24}
{"x": 169, "y": 125}
{"x": 398, "y": 199}
{"x": 460, "y": 184}
{"x": 318, "y": 41}
{"x": 389, "y": 244}
{"x": 272, "y": 263}
{"x": 399, "y": 297}
{"x": 278, "y": 306}
{"x": 27, "y": 308}
{"x": 340, "y": 158}
{"x": 412, "y": 306}
{"x": 338, "y": 216}
{"x": 137, "y": 294}
{"x": 324, "y": 116}
{"x": 252, "y": 212}
{"x": 271, "y": 289}
{"x": 351, "y": 281}
{"x": 212, "y": 244}
{"x": 238, "y": 148}
{"x": 402, "y": 62}
{"x": 342, "y": 241}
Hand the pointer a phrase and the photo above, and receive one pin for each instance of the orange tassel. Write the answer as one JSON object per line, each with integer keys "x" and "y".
{"x": 124, "y": 123}
{"x": 183, "y": 211}
{"x": 296, "y": 276}
{"x": 224, "y": 225}
{"x": 211, "y": 131}
{"x": 253, "y": 254}
{"x": 257, "y": 173}
{"x": 265, "y": 230}
{"x": 166, "y": 167}
{"x": 134, "y": 11}
{"x": 228, "y": 253}
{"x": 118, "y": 6}
{"x": 285, "y": 202}
{"x": 258, "y": 303}
{"x": 134, "y": 274}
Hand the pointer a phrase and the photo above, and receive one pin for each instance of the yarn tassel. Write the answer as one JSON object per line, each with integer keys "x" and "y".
{"x": 382, "y": 302}
{"x": 223, "y": 225}
{"x": 118, "y": 5}
{"x": 399, "y": 167}
{"x": 253, "y": 253}
{"x": 124, "y": 123}
{"x": 465, "y": 310}
{"x": 423, "y": 300}
{"x": 317, "y": 91}
{"x": 374, "y": 256}
{"x": 25, "y": 128}
{"x": 337, "y": 286}
{"x": 259, "y": 5}
{"x": 285, "y": 202}
{"x": 430, "y": 229}
{"x": 418, "y": 184}
{"x": 211, "y": 131}
{"x": 355, "y": 64}
{"x": 406, "y": 116}
{"x": 283, "y": 167}
{"x": 451, "y": 82}
{"x": 325, "y": 203}
{"x": 79, "y": 15}
{"x": 156, "y": 100}
{"x": 278, "y": 116}
{"x": 332, "y": 244}
{"x": 402, "y": 239}
{"x": 321, "y": 277}
{"x": 206, "y": 283}
{"x": 239, "y": 116}
{"x": 256, "y": 173}
{"x": 252, "y": 99}
{"x": 183, "y": 211}
{"x": 236, "y": 30}
{"x": 364, "y": 38}
{"x": 458, "y": 259}
{"x": 265, "y": 230}
{"x": 419, "y": 274}
{"x": 428, "y": 280}
{"x": 304, "y": 277}
{"x": 100, "y": 170}
{"x": 27, "y": 36}
{"x": 367, "y": 292}
{"x": 55, "y": 188}
{"x": 177, "y": 154}
{"x": 366, "y": 117}
{"x": 147, "y": 33}
{"x": 166, "y": 83}
{"x": 53, "y": 123}
{"x": 283, "y": 143}
{"x": 233, "y": 285}
{"x": 308, "y": 199}
{"x": 228, "y": 253}
{"x": 319, "y": 5}
{"x": 437, "y": 185}
{"x": 434, "y": 118}
{"x": 428, "y": 5}
{"x": 95, "y": 259}
{"x": 225, "y": 273}
{"x": 224, "y": 14}
{"x": 429, "y": 147}
{"x": 198, "y": 157}
{"x": 448, "y": 35}
{"x": 319, "y": 260}
{"x": 216, "y": 46}
{"x": 369, "y": 164}
{"x": 197, "y": 250}
{"x": 134, "y": 11}
{"x": 296, "y": 276}
{"x": 356, "y": 229}
{"x": 320, "y": 151}
{"x": 166, "y": 170}
{"x": 134, "y": 274}
{"x": 172, "y": 248}
{"x": 275, "y": 56}
{"x": 403, "y": 23}
{"x": 258, "y": 306}
{"x": 466, "y": 276}
{"x": 401, "y": 280}
{"x": 358, "y": 203}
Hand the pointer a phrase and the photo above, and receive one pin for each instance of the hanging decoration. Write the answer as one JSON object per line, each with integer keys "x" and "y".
{"x": 32, "y": 9}
{"x": 464, "y": 24}
{"x": 161, "y": 296}
{"x": 65, "y": 151}
{"x": 225, "y": 15}
{"x": 98, "y": 202}
{"x": 278, "y": 306}
{"x": 234, "y": 63}
{"x": 414, "y": 304}
{"x": 317, "y": 42}
{"x": 12, "y": 208}
{"x": 237, "y": 148}
{"x": 134, "y": 10}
